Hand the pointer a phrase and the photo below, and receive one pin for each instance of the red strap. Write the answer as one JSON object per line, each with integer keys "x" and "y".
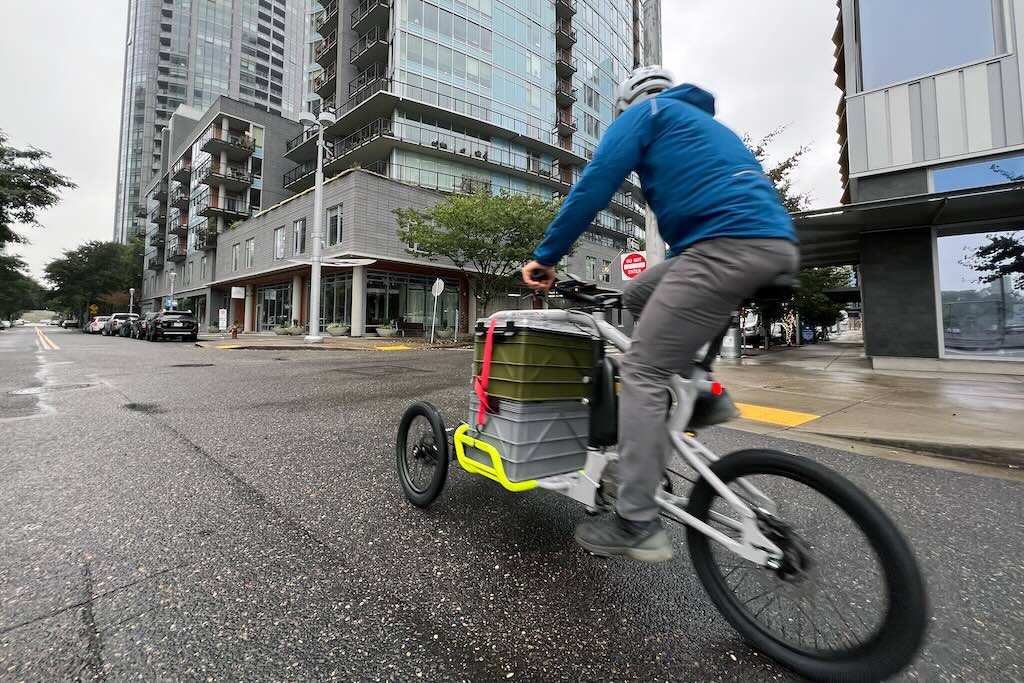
{"x": 480, "y": 383}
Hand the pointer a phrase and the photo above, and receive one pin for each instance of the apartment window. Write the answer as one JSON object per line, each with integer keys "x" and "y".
{"x": 606, "y": 271}
{"x": 978, "y": 174}
{"x": 202, "y": 268}
{"x": 250, "y": 252}
{"x": 300, "y": 236}
{"x": 279, "y": 241}
{"x": 188, "y": 273}
{"x": 591, "y": 268}
{"x": 334, "y": 225}
{"x": 234, "y": 257}
{"x": 910, "y": 38}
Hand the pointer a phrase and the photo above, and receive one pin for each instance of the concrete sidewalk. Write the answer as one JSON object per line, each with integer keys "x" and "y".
{"x": 275, "y": 342}
{"x": 830, "y": 390}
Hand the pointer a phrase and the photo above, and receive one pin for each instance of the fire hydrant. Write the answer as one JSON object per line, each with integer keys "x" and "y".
{"x": 234, "y": 331}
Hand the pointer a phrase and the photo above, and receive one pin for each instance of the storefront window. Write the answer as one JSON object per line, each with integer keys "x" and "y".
{"x": 336, "y": 299}
{"x": 274, "y": 306}
{"x": 406, "y": 302}
{"x": 982, "y": 285}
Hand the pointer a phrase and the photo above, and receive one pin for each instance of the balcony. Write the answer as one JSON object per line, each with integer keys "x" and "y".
{"x": 178, "y": 252}
{"x": 565, "y": 124}
{"x": 158, "y": 214}
{"x": 565, "y": 34}
{"x": 206, "y": 239}
{"x": 565, "y": 94}
{"x": 181, "y": 170}
{"x": 330, "y": 15}
{"x": 157, "y": 239}
{"x": 141, "y": 211}
{"x": 155, "y": 263}
{"x": 238, "y": 146}
{"x": 231, "y": 208}
{"x": 565, "y": 8}
{"x": 370, "y": 12}
{"x": 327, "y": 52}
{"x": 325, "y": 84}
{"x": 306, "y": 134}
{"x": 371, "y": 47}
{"x": 179, "y": 198}
{"x": 160, "y": 191}
{"x": 365, "y": 79}
{"x": 565, "y": 64}
{"x": 229, "y": 176}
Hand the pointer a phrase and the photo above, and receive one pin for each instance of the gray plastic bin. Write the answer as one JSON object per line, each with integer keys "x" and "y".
{"x": 535, "y": 439}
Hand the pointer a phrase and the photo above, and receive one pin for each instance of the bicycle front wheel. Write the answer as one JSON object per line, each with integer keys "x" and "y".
{"x": 848, "y": 602}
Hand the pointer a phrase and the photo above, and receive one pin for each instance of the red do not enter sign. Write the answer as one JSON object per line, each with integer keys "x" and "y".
{"x": 633, "y": 263}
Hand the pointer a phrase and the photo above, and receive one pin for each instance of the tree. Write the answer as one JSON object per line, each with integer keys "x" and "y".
{"x": 26, "y": 186}
{"x": 93, "y": 270}
{"x": 1002, "y": 256}
{"x": 779, "y": 171}
{"x": 810, "y": 301}
{"x": 19, "y": 293}
{"x": 488, "y": 237}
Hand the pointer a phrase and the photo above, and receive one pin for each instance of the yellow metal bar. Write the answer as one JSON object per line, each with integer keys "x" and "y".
{"x": 494, "y": 471}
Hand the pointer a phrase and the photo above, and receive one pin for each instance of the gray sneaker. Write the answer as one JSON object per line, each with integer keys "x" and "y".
{"x": 609, "y": 535}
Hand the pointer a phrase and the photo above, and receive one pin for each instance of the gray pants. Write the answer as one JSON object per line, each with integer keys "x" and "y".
{"x": 686, "y": 301}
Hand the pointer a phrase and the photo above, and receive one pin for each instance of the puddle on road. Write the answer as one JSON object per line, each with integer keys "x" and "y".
{"x": 49, "y": 389}
{"x": 144, "y": 408}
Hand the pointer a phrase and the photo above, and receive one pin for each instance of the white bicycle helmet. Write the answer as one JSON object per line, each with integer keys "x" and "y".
{"x": 643, "y": 83}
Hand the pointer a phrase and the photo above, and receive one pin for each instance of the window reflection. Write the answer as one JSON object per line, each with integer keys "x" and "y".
{"x": 981, "y": 278}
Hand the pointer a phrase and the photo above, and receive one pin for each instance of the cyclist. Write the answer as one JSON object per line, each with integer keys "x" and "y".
{"x": 729, "y": 235}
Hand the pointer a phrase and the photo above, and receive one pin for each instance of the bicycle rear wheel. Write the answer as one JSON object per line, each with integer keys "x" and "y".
{"x": 848, "y": 602}
{"x": 421, "y": 450}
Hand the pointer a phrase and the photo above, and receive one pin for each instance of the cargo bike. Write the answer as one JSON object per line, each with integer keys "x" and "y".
{"x": 804, "y": 565}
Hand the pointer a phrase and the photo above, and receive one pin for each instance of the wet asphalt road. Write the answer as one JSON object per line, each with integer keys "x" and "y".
{"x": 174, "y": 512}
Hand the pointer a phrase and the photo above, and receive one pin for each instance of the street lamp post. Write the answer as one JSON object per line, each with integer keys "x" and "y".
{"x": 131, "y": 299}
{"x": 172, "y": 275}
{"x": 321, "y": 121}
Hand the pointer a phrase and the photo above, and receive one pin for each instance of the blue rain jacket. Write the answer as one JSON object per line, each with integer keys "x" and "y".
{"x": 697, "y": 175}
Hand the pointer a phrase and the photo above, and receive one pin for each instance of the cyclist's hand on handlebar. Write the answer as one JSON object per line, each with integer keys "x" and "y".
{"x": 538, "y": 276}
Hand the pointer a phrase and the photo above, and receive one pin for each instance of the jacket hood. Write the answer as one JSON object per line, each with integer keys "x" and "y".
{"x": 691, "y": 94}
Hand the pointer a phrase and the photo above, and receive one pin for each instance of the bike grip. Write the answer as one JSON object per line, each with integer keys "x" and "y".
{"x": 538, "y": 275}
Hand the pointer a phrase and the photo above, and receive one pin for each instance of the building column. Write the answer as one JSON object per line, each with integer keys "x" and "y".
{"x": 358, "y": 301}
{"x": 249, "y": 324}
{"x": 213, "y": 310}
{"x": 297, "y": 299}
{"x": 471, "y": 305}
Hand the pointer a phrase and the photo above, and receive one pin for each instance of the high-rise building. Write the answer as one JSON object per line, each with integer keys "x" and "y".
{"x": 190, "y": 52}
{"x": 463, "y": 94}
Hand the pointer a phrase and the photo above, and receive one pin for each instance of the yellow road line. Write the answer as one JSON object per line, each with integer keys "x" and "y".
{"x": 777, "y": 416}
{"x": 228, "y": 346}
{"x": 46, "y": 341}
{"x": 397, "y": 347}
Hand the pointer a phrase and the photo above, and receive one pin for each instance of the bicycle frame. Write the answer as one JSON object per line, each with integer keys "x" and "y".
{"x": 583, "y": 486}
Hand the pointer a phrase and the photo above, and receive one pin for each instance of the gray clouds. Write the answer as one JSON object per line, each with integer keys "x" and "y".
{"x": 60, "y": 71}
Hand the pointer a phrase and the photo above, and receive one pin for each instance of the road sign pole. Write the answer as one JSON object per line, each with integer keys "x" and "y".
{"x": 436, "y": 291}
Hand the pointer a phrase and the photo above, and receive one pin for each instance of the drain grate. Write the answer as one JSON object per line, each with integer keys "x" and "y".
{"x": 51, "y": 389}
{"x": 193, "y": 365}
{"x": 145, "y": 408}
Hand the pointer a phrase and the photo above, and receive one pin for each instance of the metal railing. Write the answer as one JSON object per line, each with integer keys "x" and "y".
{"x": 371, "y": 37}
{"x": 244, "y": 141}
{"x": 365, "y": 78}
{"x": 235, "y": 205}
{"x": 330, "y": 10}
{"x": 325, "y": 78}
{"x": 216, "y": 168}
{"x": 364, "y": 8}
{"x": 325, "y": 47}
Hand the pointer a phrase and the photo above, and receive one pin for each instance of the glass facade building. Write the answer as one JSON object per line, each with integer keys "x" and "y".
{"x": 190, "y": 52}
{"x": 462, "y": 95}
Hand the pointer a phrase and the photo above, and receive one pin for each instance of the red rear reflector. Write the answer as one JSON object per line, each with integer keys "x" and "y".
{"x": 716, "y": 388}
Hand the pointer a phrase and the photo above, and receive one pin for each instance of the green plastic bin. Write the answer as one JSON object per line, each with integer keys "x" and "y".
{"x": 536, "y": 360}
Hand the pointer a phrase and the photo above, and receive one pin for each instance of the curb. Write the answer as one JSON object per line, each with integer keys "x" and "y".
{"x": 989, "y": 455}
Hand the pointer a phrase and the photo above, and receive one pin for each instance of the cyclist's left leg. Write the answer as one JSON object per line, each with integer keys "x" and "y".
{"x": 690, "y": 305}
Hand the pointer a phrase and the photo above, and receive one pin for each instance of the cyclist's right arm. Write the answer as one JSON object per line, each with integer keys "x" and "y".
{"x": 619, "y": 152}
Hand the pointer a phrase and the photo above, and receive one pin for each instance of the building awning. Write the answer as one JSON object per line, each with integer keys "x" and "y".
{"x": 832, "y": 236}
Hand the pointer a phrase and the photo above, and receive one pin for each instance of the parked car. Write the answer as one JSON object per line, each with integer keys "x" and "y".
{"x": 19, "y": 322}
{"x": 5, "y": 324}
{"x": 113, "y": 325}
{"x": 69, "y": 323}
{"x": 96, "y": 324}
{"x": 173, "y": 325}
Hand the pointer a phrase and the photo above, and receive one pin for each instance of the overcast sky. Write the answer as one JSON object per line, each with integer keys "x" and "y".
{"x": 768, "y": 63}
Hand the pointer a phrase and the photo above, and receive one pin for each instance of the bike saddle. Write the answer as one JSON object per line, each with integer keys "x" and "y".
{"x": 779, "y": 289}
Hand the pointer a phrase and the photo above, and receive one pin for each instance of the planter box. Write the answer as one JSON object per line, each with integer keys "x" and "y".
{"x": 338, "y": 331}
{"x": 386, "y": 333}
{"x": 296, "y": 331}
{"x": 282, "y": 330}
